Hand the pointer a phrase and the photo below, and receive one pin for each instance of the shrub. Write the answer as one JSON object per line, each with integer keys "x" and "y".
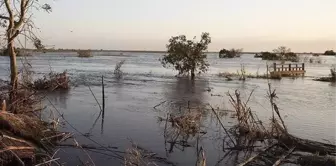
{"x": 281, "y": 53}
{"x": 269, "y": 56}
{"x": 52, "y": 81}
{"x": 117, "y": 70}
{"x": 291, "y": 56}
{"x": 84, "y": 54}
{"x": 329, "y": 52}
{"x": 232, "y": 53}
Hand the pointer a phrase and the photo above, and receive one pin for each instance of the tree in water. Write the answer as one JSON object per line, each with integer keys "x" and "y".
{"x": 282, "y": 51}
{"x": 329, "y": 52}
{"x": 17, "y": 21}
{"x": 232, "y": 53}
{"x": 187, "y": 56}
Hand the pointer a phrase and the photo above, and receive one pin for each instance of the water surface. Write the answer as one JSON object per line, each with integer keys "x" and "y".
{"x": 308, "y": 107}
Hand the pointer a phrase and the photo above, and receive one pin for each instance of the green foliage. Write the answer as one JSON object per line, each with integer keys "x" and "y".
{"x": 281, "y": 53}
{"x": 268, "y": 56}
{"x": 329, "y": 52}
{"x": 232, "y": 53}
{"x": 291, "y": 56}
{"x": 187, "y": 55}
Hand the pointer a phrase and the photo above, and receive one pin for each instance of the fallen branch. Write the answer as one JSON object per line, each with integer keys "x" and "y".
{"x": 223, "y": 126}
{"x": 10, "y": 148}
{"x": 252, "y": 158}
{"x": 17, "y": 157}
{"x": 49, "y": 161}
{"x": 86, "y": 146}
{"x": 283, "y": 157}
{"x": 159, "y": 104}
{"x": 54, "y": 136}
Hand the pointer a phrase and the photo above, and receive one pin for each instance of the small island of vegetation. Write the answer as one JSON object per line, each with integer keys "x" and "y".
{"x": 232, "y": 53}
{"x": 329, "y": 52}
{"x": 281, "y": 53}
{"x": 84, "y": 53}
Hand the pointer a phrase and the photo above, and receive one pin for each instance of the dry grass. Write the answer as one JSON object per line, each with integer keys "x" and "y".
{"x": 331, "y": 78}
{"x": 138, "y": 156}
{"x": 24, "y": 131}
{"x": 187, "y": 123}
{"x": 52, "y": 81}
{"x": 239, "y": 76}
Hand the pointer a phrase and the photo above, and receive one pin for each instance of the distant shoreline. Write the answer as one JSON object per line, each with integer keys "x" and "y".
{"x": 139, "y": 51}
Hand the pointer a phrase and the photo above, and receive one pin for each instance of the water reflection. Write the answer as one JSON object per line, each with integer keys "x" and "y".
{"x": 59, "y": 98}
{"x": 184, "y": 91}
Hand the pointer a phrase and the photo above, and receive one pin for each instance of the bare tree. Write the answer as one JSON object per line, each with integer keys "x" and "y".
{"x": 17, "y": 21}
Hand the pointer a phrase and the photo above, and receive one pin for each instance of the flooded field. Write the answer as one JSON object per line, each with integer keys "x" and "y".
{"x": 308, "y": 106}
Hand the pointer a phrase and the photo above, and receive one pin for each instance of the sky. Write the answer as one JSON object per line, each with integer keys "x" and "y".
{"x": 254, "y": 25}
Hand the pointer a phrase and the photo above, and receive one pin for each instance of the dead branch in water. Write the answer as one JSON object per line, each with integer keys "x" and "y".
{"x": 283, "y": 157}
{"x": 227, "y": 133}
{"x": 159, "y": 104}
{"x": 138, "y": 156}
{"x": 249, "y": 127}
{"x": 255, "y": 156}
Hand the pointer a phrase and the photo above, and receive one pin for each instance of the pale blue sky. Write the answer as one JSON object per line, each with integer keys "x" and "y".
{"x": 255, "y": 25}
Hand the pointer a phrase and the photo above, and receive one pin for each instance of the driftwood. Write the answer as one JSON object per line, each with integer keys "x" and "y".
{"x": 314, "y": 160}
{"x": 255, "y": 156}
{"x": 283, "y": 157}
{"x": 308, "y": 145}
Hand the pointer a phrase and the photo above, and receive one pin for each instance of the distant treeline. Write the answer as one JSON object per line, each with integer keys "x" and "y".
{"x": 328, "y": 52}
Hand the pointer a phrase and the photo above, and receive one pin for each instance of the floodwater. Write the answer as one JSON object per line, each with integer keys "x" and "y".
{"x": 308, "y": 106}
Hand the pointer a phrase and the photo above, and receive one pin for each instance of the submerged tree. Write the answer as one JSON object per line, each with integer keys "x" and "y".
{"x": 17, "y": 21}
{"x": 187, "y": 56}
{"x": 329, "y": 52}
{"x": 232, "y": 53}
{"x": 281, "y": 53}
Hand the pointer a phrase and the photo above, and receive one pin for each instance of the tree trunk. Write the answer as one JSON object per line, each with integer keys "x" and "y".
{"x": 13, "y": 67}
{"x": 192, "y": 74}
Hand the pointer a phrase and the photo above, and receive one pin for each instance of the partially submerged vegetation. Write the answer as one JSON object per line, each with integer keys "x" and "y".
{"x": 331, "y": 78}
{"x": 84, "y": 53}
{"x": 24, "y": 133}
{"x": 118, "y": 73}
{"x": 232, "y": 53}
{"x": 277, "y": 142}
{"x": 281, "y": 53}
{"x": 187, "y": 56}
{"x": 254, "y": 141}
{"x": 52, "y": 81}
{"x": 329, "y": 52}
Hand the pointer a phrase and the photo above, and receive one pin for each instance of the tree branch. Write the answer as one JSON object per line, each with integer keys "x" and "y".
{"x": 23, "y": 6}
{"x": 10, "y": 12}
{"x": 4, "y": 17}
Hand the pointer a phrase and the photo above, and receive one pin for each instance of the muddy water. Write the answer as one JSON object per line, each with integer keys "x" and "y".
{"x": 308, "y": 107}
